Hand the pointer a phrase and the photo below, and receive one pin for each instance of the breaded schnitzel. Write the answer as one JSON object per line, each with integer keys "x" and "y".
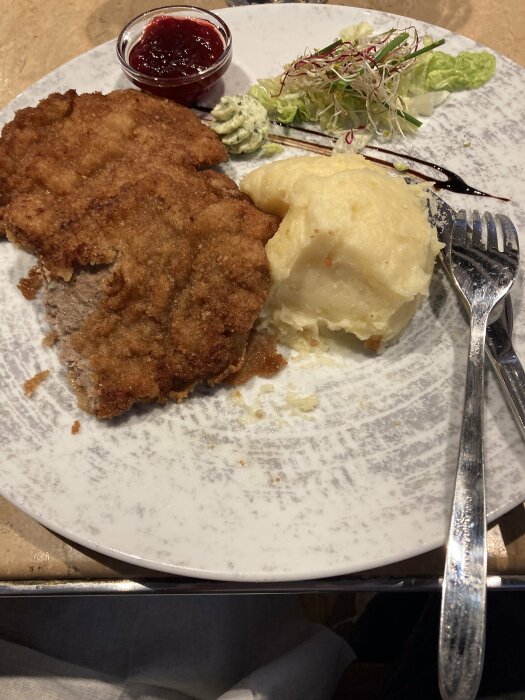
{"x": 69, "y": 140}
{"x": 154, "y": 278}
{"x": 183, "y": 277}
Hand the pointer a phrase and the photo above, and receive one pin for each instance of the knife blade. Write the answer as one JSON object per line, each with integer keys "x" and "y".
{"x": 499, "y": 348}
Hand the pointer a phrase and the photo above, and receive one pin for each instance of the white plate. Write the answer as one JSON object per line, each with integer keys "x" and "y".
{"x": 204, "y": 488}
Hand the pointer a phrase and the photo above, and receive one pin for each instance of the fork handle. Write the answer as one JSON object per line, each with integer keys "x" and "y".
{"x": 462, "y": 623}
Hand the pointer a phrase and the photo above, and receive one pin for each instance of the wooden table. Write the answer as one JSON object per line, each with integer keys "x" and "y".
{"x": 37, "y": 37}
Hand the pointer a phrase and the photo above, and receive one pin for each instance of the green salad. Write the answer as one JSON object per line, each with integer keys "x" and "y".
{"x": 382, "y": 82}
{"x": 370, "y": 84}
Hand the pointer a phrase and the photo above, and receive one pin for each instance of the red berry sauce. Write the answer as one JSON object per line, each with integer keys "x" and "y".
{"x": 176, "y": 47}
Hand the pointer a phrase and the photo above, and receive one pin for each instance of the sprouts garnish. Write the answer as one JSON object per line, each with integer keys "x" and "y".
{"x": 379, "y": 83}
{"x": 364, "y": 74}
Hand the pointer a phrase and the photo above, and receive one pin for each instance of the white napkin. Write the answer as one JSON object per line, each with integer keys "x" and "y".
{"x": 166, "y": 648}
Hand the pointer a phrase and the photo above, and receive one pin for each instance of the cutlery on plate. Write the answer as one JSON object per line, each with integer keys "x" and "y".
{"x": 506, "y": 363}
{"x": 499, "y": 348}
{"x": 483, "y": 274}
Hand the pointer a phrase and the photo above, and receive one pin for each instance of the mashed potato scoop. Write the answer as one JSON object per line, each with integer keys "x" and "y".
{"x": 355, "y": 250}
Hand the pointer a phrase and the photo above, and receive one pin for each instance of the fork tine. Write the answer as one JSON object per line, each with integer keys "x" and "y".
{"x": 510, "y": 235}
{"x": 477, "y": 230}
{"x": 459, "y": 228}
{"x": 492, "y": 233}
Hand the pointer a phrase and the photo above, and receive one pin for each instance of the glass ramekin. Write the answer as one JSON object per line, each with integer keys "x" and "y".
{"x": 185, "y": 90}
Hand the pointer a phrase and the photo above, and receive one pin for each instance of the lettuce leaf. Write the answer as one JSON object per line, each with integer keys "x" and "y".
{"x": 283, "y": 108}
{"x": 466, "y": 71}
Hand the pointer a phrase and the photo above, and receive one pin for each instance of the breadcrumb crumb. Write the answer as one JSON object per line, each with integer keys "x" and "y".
{"x": 31, "y": 385}
{"x": 31, "y": 285}
{"x": 50, "y": 339}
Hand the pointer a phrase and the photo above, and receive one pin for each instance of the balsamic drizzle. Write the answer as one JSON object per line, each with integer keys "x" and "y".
{"x": 452, "y": 182}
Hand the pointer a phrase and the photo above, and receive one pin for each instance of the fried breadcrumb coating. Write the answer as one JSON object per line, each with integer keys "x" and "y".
{"x": 155, "y": 270}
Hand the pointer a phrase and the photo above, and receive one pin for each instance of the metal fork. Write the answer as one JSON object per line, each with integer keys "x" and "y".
{"x": 483, "y": 274}
{"x": 500, "y": 350}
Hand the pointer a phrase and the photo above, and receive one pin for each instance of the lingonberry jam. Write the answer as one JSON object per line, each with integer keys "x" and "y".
{"x": 177, "y": 52}
{"x": 176, "y": 47}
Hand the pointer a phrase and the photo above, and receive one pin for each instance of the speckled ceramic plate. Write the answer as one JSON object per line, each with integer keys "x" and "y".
{"x": 242, "y": 486}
